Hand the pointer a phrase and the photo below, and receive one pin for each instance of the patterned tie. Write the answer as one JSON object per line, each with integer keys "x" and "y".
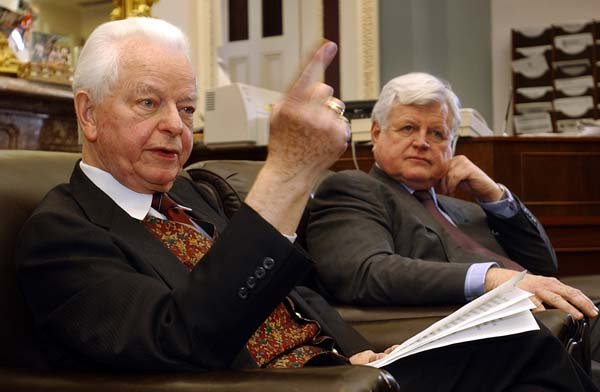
{"x": 284, "y": 339}
{"x": 162, "y": 203}
{"x": 178, "y": 233}
{"x": 461, "y": 239}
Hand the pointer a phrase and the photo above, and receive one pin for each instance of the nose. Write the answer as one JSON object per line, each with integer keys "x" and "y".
{"x": 170, "y": 120}
{"x": 420, "y": 138}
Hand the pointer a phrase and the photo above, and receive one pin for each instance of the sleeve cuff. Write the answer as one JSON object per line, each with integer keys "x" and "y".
{"x": 506, "y": 207}
{"x": 474, "y": 282}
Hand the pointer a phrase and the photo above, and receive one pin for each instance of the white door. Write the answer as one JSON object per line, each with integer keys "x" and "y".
{"x": 261, "y": 53}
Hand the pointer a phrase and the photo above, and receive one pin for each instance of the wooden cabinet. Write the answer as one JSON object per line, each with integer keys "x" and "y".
{"x": 557, "y": 178}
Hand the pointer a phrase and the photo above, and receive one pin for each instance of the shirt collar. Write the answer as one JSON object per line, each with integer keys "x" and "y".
{"x": 412, "y": 191}
{"x": 137, "y": 205}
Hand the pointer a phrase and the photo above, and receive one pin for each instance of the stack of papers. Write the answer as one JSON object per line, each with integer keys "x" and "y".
{"x": 500, "y": 312}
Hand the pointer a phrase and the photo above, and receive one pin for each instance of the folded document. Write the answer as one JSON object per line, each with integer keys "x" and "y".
{"x": 500, "y": 312}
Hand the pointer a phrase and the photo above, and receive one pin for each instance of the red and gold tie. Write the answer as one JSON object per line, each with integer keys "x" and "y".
{"x": 178, "y": 232}
{"x": 284, "y": 339}
{"x": 162, "y": 203}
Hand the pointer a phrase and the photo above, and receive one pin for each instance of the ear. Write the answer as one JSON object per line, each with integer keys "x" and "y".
{"x": 375, "y": 132}
{"x": 84, "y": 107}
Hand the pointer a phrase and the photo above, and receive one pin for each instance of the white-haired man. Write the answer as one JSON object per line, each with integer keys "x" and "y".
{"x": 121, "y": 276}
{"x": 401, "y": 249}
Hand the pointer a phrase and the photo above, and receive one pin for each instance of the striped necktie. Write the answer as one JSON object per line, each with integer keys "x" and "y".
{"x": 459, "y": 237}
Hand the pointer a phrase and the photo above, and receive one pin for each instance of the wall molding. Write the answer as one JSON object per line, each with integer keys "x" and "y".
{"x": 359, "y": 49}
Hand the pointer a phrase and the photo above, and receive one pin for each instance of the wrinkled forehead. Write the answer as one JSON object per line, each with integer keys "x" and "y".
{"x": 144, "y": 66}
{"x": 141, "y": 49}
{"x": 432, "y": 111}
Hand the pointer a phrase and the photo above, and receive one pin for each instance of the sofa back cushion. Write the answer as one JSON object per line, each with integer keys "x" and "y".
{"x": 25, "y": 177}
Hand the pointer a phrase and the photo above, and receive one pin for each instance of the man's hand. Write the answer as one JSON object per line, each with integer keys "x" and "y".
{"x": 364, "y": 357}
{"x": 368, "y": 356}
{"x": 547, "y": 291}
{"x": 465, "y": 175}
{"x": 305, "y": 138}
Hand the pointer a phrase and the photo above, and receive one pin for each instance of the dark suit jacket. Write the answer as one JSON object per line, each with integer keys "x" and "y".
{"x": 374, "y": 243}
{"x": 105, "y": 293}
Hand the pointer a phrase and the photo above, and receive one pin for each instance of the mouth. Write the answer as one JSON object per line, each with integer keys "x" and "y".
{"x": 166, "y": 152}
{"x": 418, "y": 159}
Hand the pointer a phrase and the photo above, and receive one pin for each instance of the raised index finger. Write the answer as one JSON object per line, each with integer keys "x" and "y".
{"x": 313, "y": 70}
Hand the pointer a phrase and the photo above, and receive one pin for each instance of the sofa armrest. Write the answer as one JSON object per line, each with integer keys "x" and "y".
{"x": 574, "y": 334}
{"x": 385, "y": 326}
{"x": 335, "y": 378}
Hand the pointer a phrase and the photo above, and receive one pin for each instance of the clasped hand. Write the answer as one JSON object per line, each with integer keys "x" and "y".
{"x": 464, "y": 175}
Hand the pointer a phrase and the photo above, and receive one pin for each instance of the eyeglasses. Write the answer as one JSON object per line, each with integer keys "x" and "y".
{"x": 433, "y": 136}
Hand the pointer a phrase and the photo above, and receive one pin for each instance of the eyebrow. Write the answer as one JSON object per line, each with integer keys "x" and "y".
{"x": 143, "y": 88}
{"x": 412, "y": 121}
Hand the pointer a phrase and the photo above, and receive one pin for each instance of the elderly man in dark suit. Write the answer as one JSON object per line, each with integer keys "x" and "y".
{"x": 396, "y": 236}
{"x": 131, "y": 267}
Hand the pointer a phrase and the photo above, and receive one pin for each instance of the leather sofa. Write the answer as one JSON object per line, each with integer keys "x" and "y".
{"x": 385, "y": 325}
{"x": 25, "y": 176}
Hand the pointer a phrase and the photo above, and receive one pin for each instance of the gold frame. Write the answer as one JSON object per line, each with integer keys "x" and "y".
{"x": 9, "y": 64}
{"x": 128, "y": 8}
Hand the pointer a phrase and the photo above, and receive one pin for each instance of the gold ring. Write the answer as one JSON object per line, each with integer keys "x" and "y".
{"x": 335, "y": 106}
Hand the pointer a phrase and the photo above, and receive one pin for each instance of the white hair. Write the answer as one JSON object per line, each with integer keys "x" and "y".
{"x": 416, "y": 88}
{"x": 98, "y": 65}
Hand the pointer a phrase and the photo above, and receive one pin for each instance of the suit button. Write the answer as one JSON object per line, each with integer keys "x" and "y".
{"x": 243, "y": 293}
{"x": 268, "y": 263}
{"x": 251, "y": 282}
{"x": 260, "y": 272}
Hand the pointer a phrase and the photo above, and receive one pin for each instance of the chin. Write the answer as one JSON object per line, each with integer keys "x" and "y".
{"x": 162, "y": 187}
{"x": 418, "y": 183}
{"x": 161, "y": 183}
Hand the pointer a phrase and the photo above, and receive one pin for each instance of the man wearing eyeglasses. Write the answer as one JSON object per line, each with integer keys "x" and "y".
{"x": 395, "y": 236}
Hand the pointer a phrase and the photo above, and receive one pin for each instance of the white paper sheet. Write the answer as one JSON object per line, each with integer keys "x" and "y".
{"x": 500, "y": 312}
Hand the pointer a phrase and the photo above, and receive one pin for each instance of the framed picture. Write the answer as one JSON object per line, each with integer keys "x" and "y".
{"x": 50, "y": 49}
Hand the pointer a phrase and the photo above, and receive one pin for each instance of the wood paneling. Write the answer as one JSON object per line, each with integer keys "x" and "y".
{"x": 576, "y": 240}
{"x": 568, "y": 181}
{"x": 558, "y": 179}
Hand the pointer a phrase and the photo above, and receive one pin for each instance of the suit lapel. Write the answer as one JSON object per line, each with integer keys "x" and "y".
{"x": 456, "y": 214}
{"x": 102, "y": 211}
{"x": 202, "y": 212}
{"x": 410, "y": 203}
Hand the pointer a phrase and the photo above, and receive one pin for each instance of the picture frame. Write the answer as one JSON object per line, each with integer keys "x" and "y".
{"x": 50, "y": 49}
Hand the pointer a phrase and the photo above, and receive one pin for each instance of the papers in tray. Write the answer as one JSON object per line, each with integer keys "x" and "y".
{"x": 500, "y": 312}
